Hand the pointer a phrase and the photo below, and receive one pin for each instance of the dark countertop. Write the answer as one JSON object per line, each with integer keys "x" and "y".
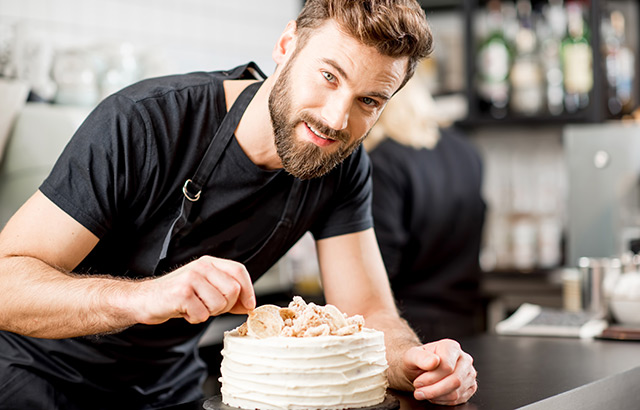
{"x": 516, "y": 371}
{"x": 544, "y": 373}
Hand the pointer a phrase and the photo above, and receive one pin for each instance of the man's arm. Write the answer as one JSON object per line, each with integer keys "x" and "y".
{"x": 354, "y": 279}
{"x": 41, "y": 297}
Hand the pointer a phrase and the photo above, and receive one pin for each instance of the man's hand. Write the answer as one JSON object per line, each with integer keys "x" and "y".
{"x": 205, "y": 287}
{"x": 441, "y": 372}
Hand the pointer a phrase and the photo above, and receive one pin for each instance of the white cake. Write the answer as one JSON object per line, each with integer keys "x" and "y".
{"x": 320, "y": 372}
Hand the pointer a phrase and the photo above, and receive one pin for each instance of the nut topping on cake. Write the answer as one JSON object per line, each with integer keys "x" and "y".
{"x": 265, "y": 321}
{"x": 242, "y": 329}
{"x": 336, "y": 317}
{"x": 299, "y": 320}
{"x": 286, "y": 313}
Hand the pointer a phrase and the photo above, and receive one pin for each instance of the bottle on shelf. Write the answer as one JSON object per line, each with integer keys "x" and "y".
{"x": 551, "y": 30}
{"x": 536, "y": 58}
{"x": 577, "y": 61}
{"x": 619, "y": 65}
{"x": 493, "y": 64}
{"x": 526, "y": 79}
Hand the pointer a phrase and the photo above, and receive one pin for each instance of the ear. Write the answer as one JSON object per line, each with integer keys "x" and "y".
{"x": 286, "y": 44}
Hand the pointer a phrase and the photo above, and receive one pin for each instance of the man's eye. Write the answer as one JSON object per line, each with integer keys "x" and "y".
{"x": 369, "y": 101}
{"x": 328, "y": 76}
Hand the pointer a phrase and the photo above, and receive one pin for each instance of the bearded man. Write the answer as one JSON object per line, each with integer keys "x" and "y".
{"x": 178, "y": 192}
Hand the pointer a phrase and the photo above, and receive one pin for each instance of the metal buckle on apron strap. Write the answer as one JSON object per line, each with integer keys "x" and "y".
{"x": 185, "y": 191}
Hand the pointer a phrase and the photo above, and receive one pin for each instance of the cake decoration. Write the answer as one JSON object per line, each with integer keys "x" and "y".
{"x": 303, "y": 356}
{"x": 300, "y": 320}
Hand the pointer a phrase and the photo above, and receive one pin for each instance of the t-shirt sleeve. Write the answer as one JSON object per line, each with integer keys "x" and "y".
{"x": 350, "y": 209}
{"x": 98, "y": 174}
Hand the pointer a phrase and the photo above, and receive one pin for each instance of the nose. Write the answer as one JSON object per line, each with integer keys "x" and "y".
{"x": 335, "y": 113}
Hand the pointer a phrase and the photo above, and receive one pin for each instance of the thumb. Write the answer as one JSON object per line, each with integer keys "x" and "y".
{"x": 418, "y": 358}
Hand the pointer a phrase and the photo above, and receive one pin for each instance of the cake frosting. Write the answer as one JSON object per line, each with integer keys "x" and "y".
{"x": 296, "y": 369}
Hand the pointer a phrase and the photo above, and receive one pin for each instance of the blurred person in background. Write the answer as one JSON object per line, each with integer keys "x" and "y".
{"x": 428, "y": 214}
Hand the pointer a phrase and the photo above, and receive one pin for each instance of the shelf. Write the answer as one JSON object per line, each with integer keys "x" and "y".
{"x": 534, "y": 121}
{"x": 596, "y": 112}
{"x": 434, "y": 5}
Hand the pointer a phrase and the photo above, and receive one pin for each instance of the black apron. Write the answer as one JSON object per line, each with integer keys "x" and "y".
{"x": 192, "y": 188}
{"x": 266, "y": 253}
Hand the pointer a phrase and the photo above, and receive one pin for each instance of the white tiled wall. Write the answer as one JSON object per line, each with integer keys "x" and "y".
{"x": 179, "y": 35}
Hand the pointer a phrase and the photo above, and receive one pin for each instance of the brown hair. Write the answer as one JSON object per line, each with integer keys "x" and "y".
{"x": 396, "y": 28}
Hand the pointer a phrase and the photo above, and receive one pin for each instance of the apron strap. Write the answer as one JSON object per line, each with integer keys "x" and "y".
{"x": 192, "y": 187}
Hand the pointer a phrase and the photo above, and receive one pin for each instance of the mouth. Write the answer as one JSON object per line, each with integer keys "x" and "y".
{"x": 317, "y": 137}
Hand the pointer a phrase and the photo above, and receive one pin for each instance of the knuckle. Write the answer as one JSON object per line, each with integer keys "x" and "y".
{"x": 468, "y": 357}
{"x": 234, "y": 289}
{"x": 456, "y": 383}
{"x": 239, "y": 268}
{"x": 203, "y": 262}
{"x": 189, "y": 276}
{"x": 191, "y": 319}
{"x": 198, "y": 318}
{"x": 220, "y": 304}
{"x": 448, "y": 365}
{"x": 216, "y": 309}
{"x": 453, "y": 343}
{"x": 183, "y": 291}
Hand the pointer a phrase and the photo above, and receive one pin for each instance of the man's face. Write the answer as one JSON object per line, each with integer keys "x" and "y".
{"x": 326, "y": 99}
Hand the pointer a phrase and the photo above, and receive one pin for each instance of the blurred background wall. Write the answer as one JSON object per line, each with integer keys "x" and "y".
{"x": 162, "y": 36}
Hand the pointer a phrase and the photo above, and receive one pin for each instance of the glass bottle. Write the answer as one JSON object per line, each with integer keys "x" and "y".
{"x": 526, "y": 74}
{"x": 493, "y": 64}
{"x": 551, "y": 30}
{"x": 619, "y": 65}
{"x": 577, "y": 60}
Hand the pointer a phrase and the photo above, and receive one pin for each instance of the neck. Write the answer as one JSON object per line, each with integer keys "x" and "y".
{"x": 254, "y": 132}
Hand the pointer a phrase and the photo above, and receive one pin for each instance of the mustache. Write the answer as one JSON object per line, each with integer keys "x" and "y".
{"x": 318, "y": 125}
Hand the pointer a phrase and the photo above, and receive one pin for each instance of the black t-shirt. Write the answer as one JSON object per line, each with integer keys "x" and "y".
{"x": 121, "y": 177}
{"x": 429, "y": 212}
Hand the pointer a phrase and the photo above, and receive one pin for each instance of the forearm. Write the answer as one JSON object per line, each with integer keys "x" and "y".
{"x": 398, "y": 337}
{"x": 41, "y": 301}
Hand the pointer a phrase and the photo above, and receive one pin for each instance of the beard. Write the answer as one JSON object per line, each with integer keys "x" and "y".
{"x": 303, "y": 159}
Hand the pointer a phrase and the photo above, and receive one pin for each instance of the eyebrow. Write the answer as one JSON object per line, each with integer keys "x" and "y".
{"x": 342, "y": 73}
{"x": 337, "y": 67}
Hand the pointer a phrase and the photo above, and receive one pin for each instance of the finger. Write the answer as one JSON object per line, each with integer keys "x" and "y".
{"x": 239, "y": 309}
{"x": 441, "y": 389}
{"x": 450, "y": 387}
{"x": 449, "y": 352}
{"x": 222, "y": 287}
{"x": 199, "y": 283}
{"x": 239, "y": 272}
{"x": 196, "y": 297}
{"x": 464, "y": 366}
{"x": 217, "y": 291}
{"x": 420, "y": 359}
{"x": 217, "y": 288}
{"x": 193, "y": 309}
{"x": 455, "y": 399}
